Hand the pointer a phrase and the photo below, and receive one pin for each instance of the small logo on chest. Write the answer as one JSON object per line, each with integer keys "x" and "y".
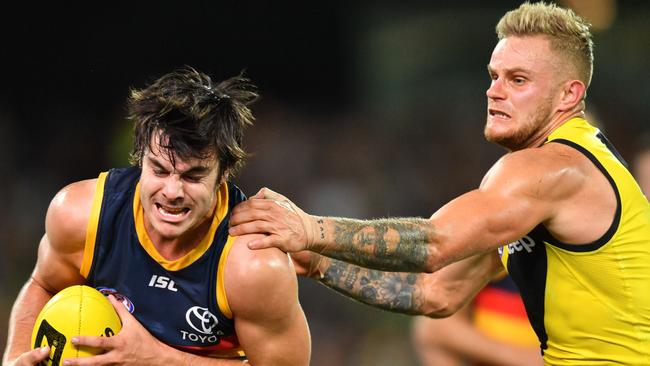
{"x": 162, "y": 282}
{"x": 201, "y": 319}
{"x": 526, "y": 243}
{"x": 204, "y": 323}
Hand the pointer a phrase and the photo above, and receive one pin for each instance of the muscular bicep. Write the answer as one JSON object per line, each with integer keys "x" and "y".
{"x": 262, "y": 291}
{"x": 60, "y": 250}
{"x": 452, "y": 287}
{"x": 505, "y": 208}
{"x": 274, "y": 340}
{"x": 56, "y": 269}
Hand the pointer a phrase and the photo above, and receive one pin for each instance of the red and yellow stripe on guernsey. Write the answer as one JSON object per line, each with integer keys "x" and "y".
{"x": 228, "y": 347}
{"x": 501, "y": 314}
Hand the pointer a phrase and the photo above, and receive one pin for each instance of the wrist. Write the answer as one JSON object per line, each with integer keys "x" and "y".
{"x": 311, "y": 231}
{"x": 314, "y": 232}
{"x": 317, "y": 270}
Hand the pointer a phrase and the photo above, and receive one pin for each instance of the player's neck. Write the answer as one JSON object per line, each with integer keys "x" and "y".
{"x": 556, "y": 121}
{"x": 177, "y": 247}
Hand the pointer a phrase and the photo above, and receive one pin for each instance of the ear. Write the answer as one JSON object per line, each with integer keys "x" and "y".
{"x": 572, "y": 94}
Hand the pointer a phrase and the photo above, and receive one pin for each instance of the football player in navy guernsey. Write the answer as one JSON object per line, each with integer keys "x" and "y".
{"x": 154, "y": 237}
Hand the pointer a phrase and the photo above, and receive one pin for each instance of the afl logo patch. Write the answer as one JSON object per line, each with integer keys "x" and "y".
{"x": 201, "y": 319}
{"x": 128, "y": 304}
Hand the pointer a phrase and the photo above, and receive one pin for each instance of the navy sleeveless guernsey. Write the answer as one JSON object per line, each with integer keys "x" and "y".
{"x": 181, "y": 302}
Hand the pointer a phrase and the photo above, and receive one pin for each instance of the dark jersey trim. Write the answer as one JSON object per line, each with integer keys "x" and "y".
{"x": 597, "y": 244}
{"x": 612, "y": 149}
{"x": 529, "y": 273}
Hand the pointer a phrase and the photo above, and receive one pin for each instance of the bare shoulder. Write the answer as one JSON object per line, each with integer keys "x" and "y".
{"x": 68, "y": 215}
{"x": 61, "y": 249}
{"x": 257, "y": 266}
{"x": 259, "y": 280}
{"x": 553, "y": 171}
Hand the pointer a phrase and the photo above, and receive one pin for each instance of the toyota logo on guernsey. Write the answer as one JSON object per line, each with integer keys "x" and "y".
{"x": 201, "y": 319}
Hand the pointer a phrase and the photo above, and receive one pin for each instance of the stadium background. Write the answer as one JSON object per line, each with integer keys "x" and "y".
{"x": 368, "y": 109}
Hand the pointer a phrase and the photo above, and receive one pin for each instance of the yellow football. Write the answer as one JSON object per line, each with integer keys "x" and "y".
{"x": 74, "y": 311}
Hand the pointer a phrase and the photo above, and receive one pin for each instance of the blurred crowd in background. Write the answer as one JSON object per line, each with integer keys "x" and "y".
{"x": 368, "y": 109}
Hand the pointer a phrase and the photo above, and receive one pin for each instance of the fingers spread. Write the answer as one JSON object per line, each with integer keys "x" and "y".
{"x": 255, "y": 227}
{"x": 94, "y": 342}
{"x": 85, "y": 361}
{"x": 251, "y": 209}
{"x": 260, "y": 243}
{"x": 244, "y": 216}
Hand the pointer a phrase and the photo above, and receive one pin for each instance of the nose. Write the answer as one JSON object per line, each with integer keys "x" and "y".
{"x": 495, "y": 91}
{"x": 173, "y": 188}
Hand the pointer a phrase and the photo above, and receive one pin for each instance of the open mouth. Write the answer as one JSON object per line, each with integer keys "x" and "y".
{"x": 172, "y": 212}
{"x": 498, "y": 114}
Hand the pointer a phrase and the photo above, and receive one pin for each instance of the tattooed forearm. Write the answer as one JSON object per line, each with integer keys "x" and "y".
{"x": 393, "y": 291}
{"x": 385, "y": 244}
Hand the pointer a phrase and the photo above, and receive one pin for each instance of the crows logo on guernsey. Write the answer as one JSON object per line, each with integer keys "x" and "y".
{"x": 128, "y": 304}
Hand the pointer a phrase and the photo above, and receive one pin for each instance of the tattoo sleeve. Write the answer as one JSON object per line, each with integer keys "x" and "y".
{"x": 384, "y": 244}
{"x": 393, "y": 291}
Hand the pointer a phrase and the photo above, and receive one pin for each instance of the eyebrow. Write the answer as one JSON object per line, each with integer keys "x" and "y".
{"x": 509, "y": 71}
{"x": 155, "y": 162}
{"x": 200, "y": 169}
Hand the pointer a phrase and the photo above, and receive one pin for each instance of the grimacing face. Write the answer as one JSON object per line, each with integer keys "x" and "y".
{"x": 526, "y": 77}
{"x": 178, "y": 201}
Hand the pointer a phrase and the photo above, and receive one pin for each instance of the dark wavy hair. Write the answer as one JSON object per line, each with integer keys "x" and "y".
{"x": 192, "y": 117}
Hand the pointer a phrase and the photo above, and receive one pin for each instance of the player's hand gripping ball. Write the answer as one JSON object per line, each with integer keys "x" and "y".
{"x": 74, "y": 311}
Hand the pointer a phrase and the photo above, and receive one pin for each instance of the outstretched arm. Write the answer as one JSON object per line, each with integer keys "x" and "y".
{"x": 469, "y": 225}
{"x": 396, "y": 244}
{"x": 439, "y": 294}
{"x": 517, "y": 194}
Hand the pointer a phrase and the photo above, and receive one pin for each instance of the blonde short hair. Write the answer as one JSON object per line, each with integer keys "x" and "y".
{"x": 568, "y": 33}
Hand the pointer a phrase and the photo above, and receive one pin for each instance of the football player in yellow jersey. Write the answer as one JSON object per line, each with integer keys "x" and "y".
{"x": 560, "y": 210}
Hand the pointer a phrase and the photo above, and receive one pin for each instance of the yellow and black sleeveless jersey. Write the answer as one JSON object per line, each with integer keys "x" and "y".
{"x": 590, "y": 304}
{"x": 181, "y": 302}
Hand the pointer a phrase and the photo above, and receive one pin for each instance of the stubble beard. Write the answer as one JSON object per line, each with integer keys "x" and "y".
{"x": 527, "y": 130}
